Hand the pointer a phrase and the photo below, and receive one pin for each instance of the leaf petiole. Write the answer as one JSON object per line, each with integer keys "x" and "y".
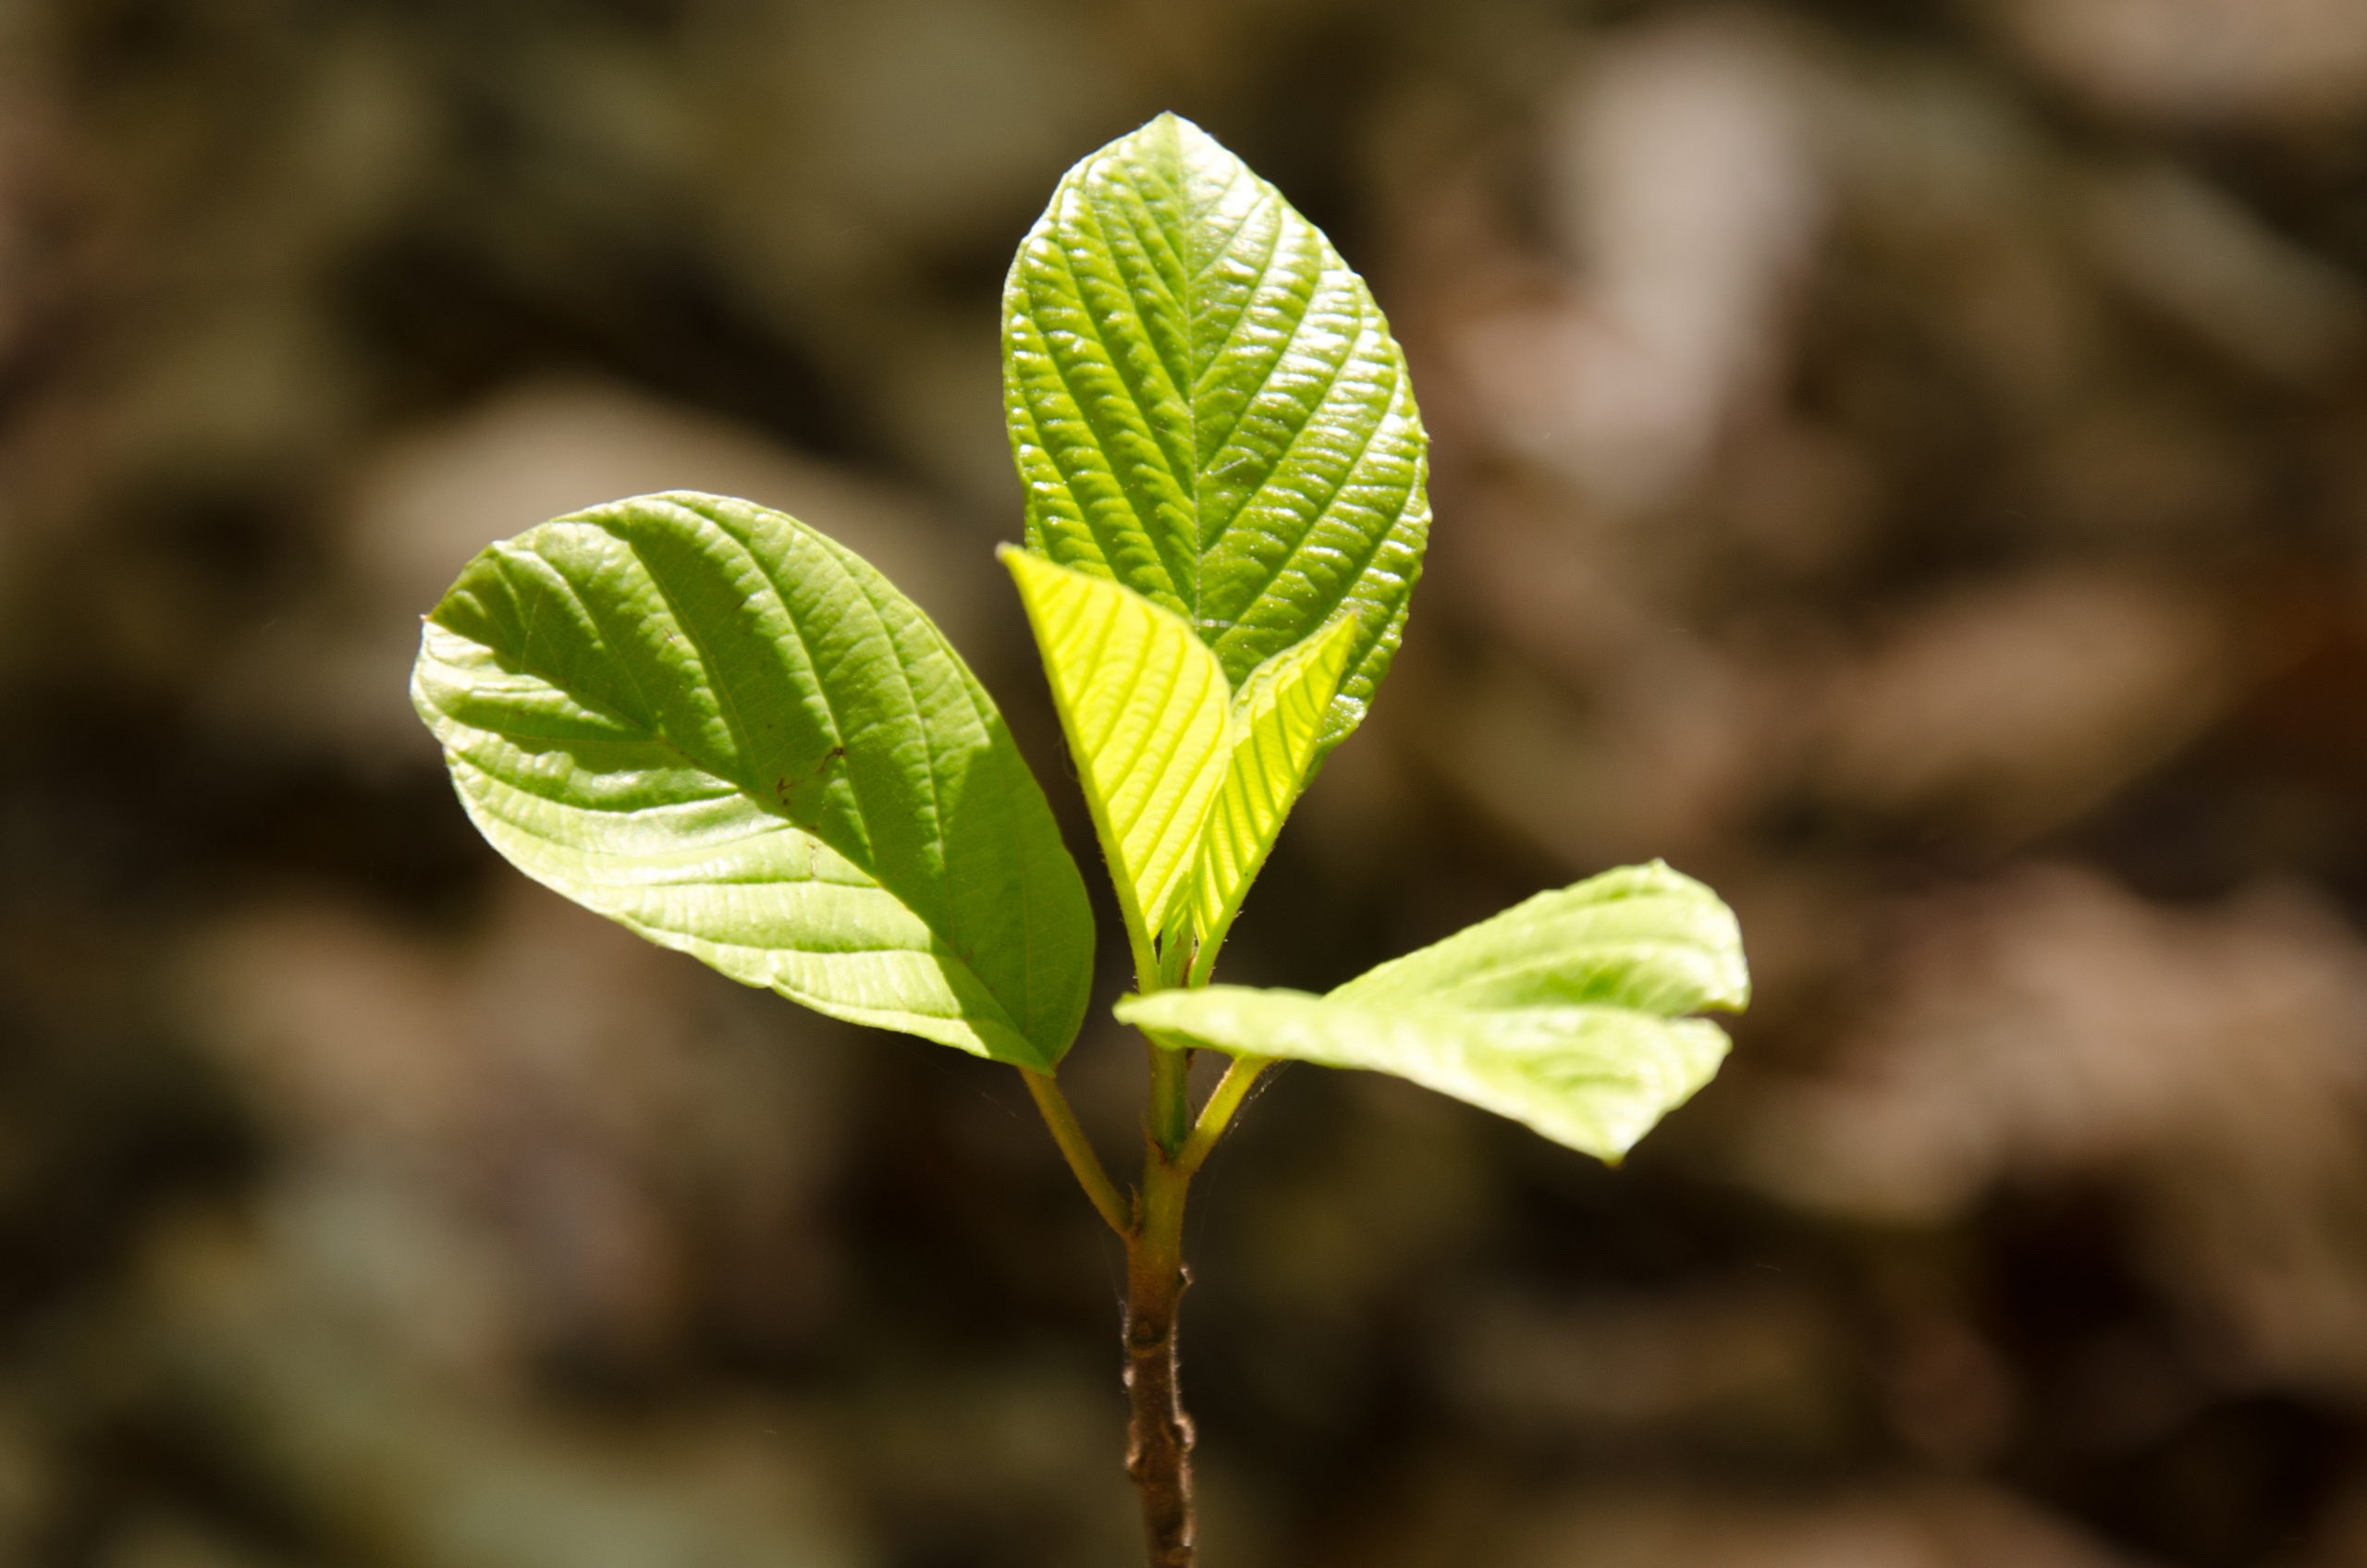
{"x": 1204, "y": 958}
{"x": 1217, "y": 1115}
{"x": 1078, "y": 1151}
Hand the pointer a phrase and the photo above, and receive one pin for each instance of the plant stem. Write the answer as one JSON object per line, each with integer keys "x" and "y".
{"x": 1159, "y": 1435}
{"x": 1170, "y": 1100}
{"x": 1078, "y": 1151}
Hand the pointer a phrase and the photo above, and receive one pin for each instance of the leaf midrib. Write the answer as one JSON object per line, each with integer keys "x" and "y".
{"x": 1175, "y": 171}
{"x": 548, "y": 581}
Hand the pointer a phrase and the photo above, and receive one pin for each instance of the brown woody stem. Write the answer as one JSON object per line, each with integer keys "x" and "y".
{"x": 1159, "y": 1435}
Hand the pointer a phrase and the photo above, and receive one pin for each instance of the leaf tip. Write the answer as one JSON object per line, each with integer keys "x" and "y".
{"x": 1167, "y": 123}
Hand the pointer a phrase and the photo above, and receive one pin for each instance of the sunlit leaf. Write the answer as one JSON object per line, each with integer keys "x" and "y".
{"x": 708, "y": 721}
{"x": 1144, "y": 708}
{"x": 1644, "y": 937}
{"x": 1562, "y": 1012}
{"x": 1277, "y": 720}
{"x": 1206, "y": 405}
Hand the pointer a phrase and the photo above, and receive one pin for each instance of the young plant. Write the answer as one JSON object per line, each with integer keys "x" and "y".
{"x": 708, "y": 721}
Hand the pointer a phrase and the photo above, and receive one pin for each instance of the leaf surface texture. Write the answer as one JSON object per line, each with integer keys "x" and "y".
{"x": 714, "y": 724}
{"x": 1563, "y": 1012}
{"x": 1146, "y": 710}
{"x": 1276, "y": 723}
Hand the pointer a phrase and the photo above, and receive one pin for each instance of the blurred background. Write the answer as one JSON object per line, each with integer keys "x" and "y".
{"x": 1905, "y": 463}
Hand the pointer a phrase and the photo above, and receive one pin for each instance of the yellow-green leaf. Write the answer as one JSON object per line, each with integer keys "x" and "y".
{"x": 1145, "y": 708}
{"x": 1563, "y": 1012}
{"x": 1277, "y": 719}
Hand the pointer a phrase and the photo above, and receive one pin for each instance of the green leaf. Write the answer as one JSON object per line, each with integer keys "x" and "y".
{"x": 1206, "y": 405}
{"x": 1562, "y": 1012}
{"x": 1644, "y": 939}
{"x": 1144, "y": 708}
{"x": 711, "y": 723}
{"x": 1277, "y": 722}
